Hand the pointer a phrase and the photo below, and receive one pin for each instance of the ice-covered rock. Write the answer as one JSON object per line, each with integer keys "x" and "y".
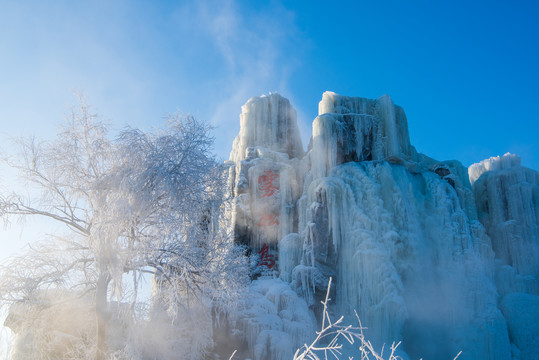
{"x": 402, "y": 234}
{"x": 272, "y": 321}
{"x": 507, "y": 198}
{"x": 265, "y": 177}
{"x": 521, "y": 311}
{"x": 269, "y": 122}
{"x": 506, "y": 161}
{"x": 402, "y": 242}
{"x": 358, "y": 129}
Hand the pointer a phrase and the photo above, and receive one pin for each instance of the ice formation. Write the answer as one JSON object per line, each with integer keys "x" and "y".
{"x": 419, "y": 253}
{"x": 507, "y": 197}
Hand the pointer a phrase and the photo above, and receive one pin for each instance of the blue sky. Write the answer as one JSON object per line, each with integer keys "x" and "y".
{"x": 465, "y": 72}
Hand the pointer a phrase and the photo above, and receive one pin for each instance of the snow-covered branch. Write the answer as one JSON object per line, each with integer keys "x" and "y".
{"x": 143, "y": 203}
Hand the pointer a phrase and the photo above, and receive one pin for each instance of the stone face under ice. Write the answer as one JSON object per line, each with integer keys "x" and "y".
{"x": 270, "y": 122}
{"x": 413, "y": 247}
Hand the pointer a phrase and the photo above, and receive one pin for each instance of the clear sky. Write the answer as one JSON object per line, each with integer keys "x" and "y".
{"x": 466, "y": 72}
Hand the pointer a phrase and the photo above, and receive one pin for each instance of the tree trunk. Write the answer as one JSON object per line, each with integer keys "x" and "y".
{"x": 101, "y": 316}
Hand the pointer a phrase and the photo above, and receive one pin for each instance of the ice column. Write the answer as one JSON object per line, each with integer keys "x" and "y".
{"x": 264, "y": 177}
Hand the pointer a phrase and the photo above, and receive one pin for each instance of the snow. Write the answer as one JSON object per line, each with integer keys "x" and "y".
{"x": 272, "y": 320}
{"x": 410, "y": 242}
{"x": 270, "y": 122}
{"x": 506, "y": 161}
{"x": 507, "y": 198}
{"x": 427, "y": 252}
{"x": 358, "y": 129}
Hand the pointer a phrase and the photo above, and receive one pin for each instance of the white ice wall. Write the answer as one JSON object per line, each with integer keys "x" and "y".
{"x": 397, "y": 230}
{"x": 506, "y": 161}
{"x": 405, "y": 233}
{"x": 268, "y": 122}
{"x": 507, "y": 198}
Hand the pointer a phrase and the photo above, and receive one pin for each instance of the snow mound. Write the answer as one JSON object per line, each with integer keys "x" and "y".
{"x": 273, "y": 321}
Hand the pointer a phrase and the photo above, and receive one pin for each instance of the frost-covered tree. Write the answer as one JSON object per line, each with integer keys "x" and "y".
{"x": 142, "y": 203}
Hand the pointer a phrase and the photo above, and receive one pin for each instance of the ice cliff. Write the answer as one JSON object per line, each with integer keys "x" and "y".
{"x": 427, "y": 252}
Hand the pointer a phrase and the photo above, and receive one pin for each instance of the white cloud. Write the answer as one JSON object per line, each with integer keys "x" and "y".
{"x": 257, "y": 49}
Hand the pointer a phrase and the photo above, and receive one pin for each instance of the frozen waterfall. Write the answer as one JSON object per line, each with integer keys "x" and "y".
{"x": 421, "y": 254}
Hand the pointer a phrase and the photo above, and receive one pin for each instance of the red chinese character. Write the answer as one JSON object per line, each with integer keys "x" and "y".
{"x": 265, "y": 258}
{"x": 266, "y": 184}
{"x": 268, "y": 220}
